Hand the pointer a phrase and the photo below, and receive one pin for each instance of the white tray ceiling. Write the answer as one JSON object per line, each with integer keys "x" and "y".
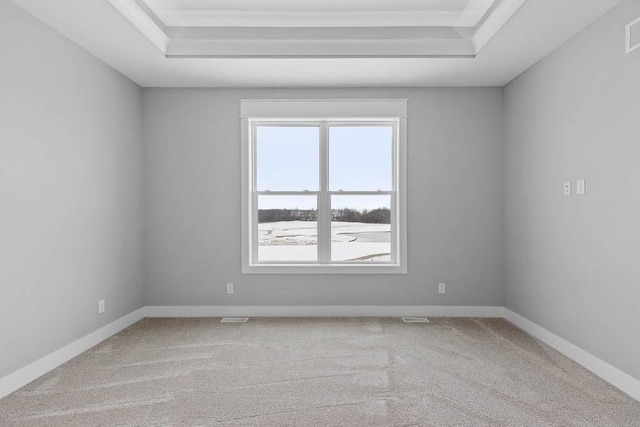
{"x": 311, "y": 43}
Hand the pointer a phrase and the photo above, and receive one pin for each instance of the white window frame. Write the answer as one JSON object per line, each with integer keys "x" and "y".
{"x": 324, "y": 114}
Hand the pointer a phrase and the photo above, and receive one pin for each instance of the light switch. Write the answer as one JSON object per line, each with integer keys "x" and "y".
{"x": 567, "y": 188}
{"x": 581, "y": 186}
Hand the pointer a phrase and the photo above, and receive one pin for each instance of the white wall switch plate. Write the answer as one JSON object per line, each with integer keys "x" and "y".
{"x": 441, "y": 288}
{"x": 229, "y": 288}
{"x": 581, "y": 186}
{"x": 101, "y": 306}
{"x": 567, "y": 188}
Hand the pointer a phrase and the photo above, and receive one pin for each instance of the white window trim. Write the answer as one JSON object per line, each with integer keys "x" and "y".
{"x": 325, "y": 111}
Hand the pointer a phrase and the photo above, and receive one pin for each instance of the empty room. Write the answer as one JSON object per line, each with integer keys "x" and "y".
{"x": 319, "y": 213}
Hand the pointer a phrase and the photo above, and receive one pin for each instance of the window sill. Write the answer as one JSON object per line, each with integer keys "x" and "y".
{"x": 324, "y": 269}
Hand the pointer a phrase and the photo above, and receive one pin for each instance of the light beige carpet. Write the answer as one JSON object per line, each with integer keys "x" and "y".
{"x": 320, "y": 372}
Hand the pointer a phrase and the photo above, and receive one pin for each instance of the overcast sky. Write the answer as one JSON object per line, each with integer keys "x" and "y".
{"x": 360, "y": 159}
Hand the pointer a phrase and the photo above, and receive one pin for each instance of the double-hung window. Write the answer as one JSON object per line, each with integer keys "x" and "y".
{"x": 324, "y": 186}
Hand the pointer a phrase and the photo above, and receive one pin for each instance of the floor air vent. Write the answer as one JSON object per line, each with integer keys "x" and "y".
{"x": 234, "y": 319}
{"x": 633, "y": 35}
{"x": 415, "y": 320}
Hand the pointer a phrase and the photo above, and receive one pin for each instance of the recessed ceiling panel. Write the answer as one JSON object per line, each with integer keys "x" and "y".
{"x": 325, "y": 13}
{"x": 318, "y": 29}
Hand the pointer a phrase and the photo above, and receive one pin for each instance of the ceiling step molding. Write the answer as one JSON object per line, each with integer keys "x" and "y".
{"x": 278, "y": 29}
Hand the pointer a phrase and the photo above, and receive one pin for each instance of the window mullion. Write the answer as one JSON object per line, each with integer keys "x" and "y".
{"x": 324, "y": 204}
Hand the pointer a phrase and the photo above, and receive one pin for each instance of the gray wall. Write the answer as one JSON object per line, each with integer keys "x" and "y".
{"x": 70, "y": 191}
{"x": 192, "y": 203}
{"x": 573, "y": 262}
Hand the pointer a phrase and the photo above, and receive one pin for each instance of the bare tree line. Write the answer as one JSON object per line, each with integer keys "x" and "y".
{"x": 373, "y": 216}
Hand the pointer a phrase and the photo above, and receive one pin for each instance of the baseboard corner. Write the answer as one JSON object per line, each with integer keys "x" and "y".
{"x": 619, "y": 379}
{"x": 35, "y": 370}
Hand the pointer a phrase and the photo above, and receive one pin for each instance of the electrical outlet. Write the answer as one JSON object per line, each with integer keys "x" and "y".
{"x": 441, "y": 288}
{"x": 101, "y": 306}
{"x": 567, "y": 188}
{"x": 229, "y": 288}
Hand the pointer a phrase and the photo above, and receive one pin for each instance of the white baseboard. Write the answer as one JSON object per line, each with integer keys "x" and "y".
{"x": 323, "y": 311}
{"x": 611, "y": 374}
{"x": 24, "y": 376}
